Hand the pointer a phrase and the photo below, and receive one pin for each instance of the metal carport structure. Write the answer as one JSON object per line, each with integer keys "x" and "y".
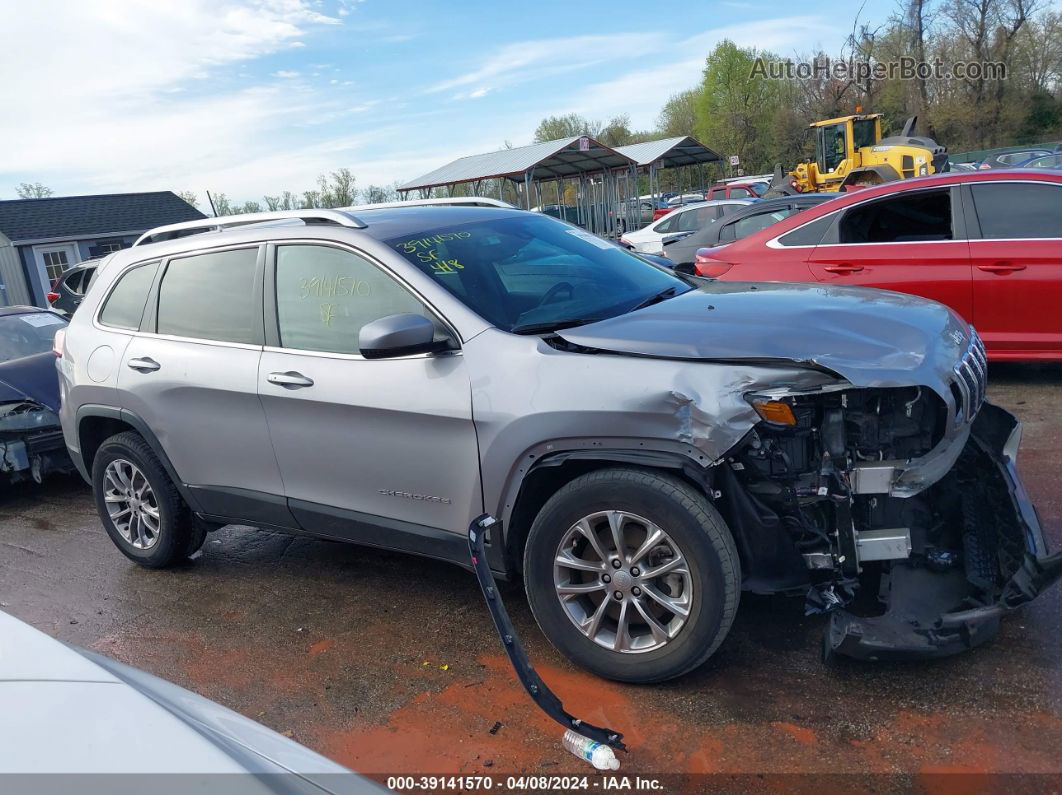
{"x": 654, "y": 156}
{"x": 605, "y": 177}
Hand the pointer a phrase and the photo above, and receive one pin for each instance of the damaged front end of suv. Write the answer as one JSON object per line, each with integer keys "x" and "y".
{"x": 874, "y": 479}
{"x": 902, "y": 518}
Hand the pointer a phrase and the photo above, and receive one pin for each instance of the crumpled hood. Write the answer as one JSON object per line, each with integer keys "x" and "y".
{"x": 868, "y": 337}
{"x": 31, "y": 377}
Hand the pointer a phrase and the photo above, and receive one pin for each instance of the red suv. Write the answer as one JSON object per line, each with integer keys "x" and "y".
{"x": 988, "y": 244}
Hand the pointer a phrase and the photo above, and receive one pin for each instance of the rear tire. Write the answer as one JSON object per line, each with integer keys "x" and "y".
{"x": 706, "y": 584}
{"x": 139, "y": 505}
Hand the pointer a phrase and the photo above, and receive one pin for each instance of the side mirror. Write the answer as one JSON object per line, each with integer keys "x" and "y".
{"x": 398, "y": 335}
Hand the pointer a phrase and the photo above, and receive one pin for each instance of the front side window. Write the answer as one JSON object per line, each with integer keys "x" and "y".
{"x": 1014, "y": 210}
{"x": 669, "y": 223}
{"x": 210, "y": 297}
{"x": 526, "y": 273}
{"x": 325, "y": 295}
{"x": 831, "y": 146}
{"x": 125, "y": 305}
{"x": 920, "y": 216}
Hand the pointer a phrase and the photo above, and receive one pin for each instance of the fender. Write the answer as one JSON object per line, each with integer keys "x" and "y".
{"x": 652, "y": 453}
{"x": 885, "y": 173}
{"x": 137, "y": 424}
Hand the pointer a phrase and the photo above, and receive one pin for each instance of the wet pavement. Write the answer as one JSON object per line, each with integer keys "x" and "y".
{"x": 389, "y": 663}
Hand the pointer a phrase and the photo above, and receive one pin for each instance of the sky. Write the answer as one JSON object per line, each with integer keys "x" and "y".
{"x": 254, "y": 97}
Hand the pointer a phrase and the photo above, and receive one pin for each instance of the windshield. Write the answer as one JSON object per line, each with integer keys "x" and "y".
{"x": 25, "y": 335}
{"x": 532, "y": 273}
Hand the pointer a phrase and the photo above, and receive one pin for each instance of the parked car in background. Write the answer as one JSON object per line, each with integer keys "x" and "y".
{"x": 737, "y": 190}
{"x": 649, "y": 443}
{"x": 31, "y": 439}
{"x": 742, "y": 222}
{"x": 72, "y": 713}
{"x": 689, "y": 218}
{"x": 962, "y": 166}
{"x": 683, "y": 199}
{"x": 1043, "y": 161}
{"x": 636, "y": 213}
{"x": 987, "y": 243}
{"x": 1011, "y": 159}
{"x": 71, "y": 287}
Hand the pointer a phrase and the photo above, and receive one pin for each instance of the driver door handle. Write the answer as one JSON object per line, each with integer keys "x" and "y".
{"x": 144, "y": 364}
{"x": 289, "y": 380}
{"x": 844, "y": 268}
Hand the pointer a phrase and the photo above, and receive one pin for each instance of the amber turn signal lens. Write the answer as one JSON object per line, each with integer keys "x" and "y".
{"x": 775, "y": 411}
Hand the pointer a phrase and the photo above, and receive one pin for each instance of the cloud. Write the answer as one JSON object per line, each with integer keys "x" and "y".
{"x": 530, "y": 60}
{"x": 641, "y": 92}
{"x": 286, "y": 74}
{"x": 144, "y": 100}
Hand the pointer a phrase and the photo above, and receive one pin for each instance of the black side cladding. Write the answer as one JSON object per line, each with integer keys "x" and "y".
{"x": 529, "y": 678}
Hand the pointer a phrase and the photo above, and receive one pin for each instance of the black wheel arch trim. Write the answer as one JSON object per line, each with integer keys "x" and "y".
{"x": 648, "y": 453}
{"x": 91, "y": 410}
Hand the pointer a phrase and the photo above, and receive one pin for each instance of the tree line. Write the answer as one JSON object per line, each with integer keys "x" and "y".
{"x": 337, "y": 189}
{"x": 735, "y": 110}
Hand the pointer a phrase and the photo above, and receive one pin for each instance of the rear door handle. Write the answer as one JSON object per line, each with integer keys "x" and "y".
{"x": 1000, "y": 267}
{"x": 845, "y": 268}
{"x": 289, "y": 380}
{"x": 144, "y": 364}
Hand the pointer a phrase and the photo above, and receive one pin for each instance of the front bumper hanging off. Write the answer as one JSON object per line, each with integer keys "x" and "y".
{"x": 935, "y": 614}
{"x": 529, "y": 678}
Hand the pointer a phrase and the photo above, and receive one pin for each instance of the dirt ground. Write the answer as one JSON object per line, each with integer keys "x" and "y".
{"x": 389, "y": 663}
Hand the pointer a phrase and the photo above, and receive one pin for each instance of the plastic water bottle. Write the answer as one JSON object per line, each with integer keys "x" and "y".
{"x": 597, "y": 754}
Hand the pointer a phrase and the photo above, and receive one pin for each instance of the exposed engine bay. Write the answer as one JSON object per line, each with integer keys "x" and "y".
{"x": 31, "y": 442}
{"x": 811, "y": 496}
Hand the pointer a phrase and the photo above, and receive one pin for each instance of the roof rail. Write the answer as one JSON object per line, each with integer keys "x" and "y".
{"x": 171, "y": 231}
{"x": 457, "y": 201}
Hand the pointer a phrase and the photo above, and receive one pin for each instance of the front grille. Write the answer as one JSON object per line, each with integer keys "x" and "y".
{"x": 971, "y": 379}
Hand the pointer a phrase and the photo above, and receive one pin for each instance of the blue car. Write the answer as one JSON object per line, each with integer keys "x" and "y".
{"x": 31, "y": 440}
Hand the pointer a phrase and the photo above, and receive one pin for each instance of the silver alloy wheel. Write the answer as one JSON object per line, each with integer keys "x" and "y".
{"x": 131, "y": 503}
{"x": 623, "y": 581}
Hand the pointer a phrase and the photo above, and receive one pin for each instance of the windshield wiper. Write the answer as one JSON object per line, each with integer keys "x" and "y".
{"x": 656, "y": 298}
{"x": 552, "y": 325}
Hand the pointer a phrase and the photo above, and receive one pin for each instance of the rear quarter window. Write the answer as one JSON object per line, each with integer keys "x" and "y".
{"x": 124, "y": 307}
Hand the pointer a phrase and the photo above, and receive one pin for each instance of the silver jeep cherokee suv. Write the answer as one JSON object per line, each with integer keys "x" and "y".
{"x": 651, "y": 443}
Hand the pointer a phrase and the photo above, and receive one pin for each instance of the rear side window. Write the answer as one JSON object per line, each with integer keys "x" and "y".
{"x": 692, "y": 220}
{"x": 743, "y": 227}
{"x": 740, "y": 193}
{"x": 909, "y": 217}
{"x": 73, "y": 281}
{"x": 125, "y": 304}
{"x": 808, "y": 234}
{"x": 210, "y": 296}
{"x": 1018, "y": 210}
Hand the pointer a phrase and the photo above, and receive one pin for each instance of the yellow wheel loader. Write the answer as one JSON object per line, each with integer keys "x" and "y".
{"x": 849, "y": 151}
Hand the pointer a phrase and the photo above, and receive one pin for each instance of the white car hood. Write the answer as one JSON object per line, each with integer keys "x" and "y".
{"x": 71, "y": 712}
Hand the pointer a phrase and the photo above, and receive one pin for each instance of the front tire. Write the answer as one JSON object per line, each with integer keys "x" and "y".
{"x": 140, "y": 506}
{"x": 632, "y": 574}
